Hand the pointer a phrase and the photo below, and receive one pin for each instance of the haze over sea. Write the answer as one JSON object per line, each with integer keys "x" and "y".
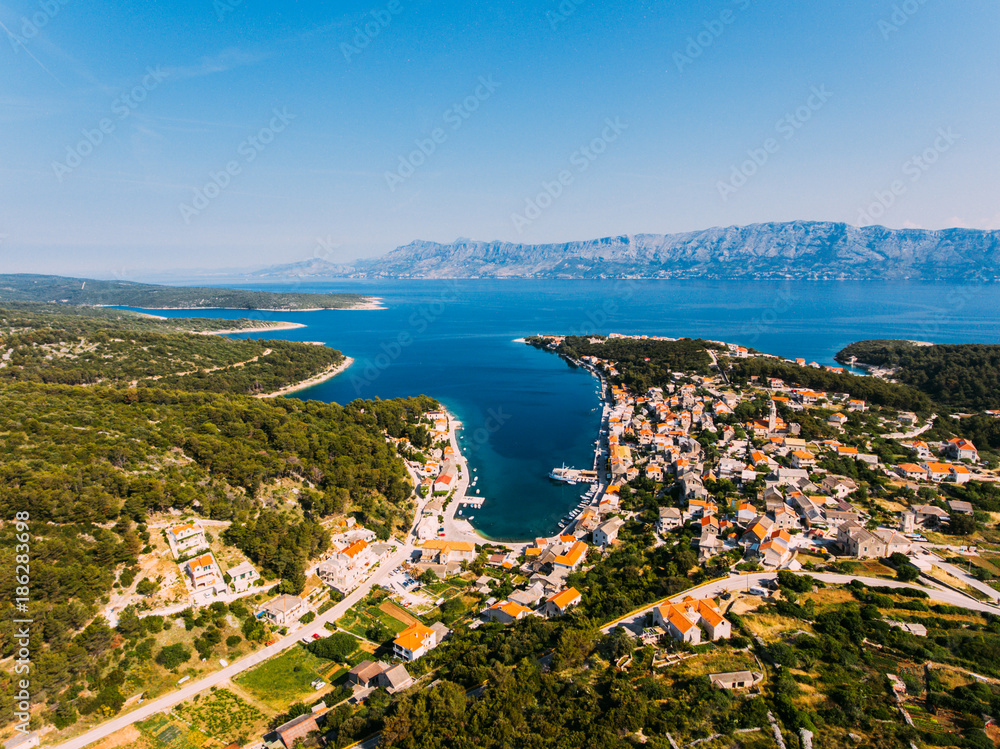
{"x": 526, "y": 411}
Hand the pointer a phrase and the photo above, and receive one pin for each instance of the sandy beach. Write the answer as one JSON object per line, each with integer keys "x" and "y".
{"x": 329, "y": 374}
{"x": 371, "y": 302}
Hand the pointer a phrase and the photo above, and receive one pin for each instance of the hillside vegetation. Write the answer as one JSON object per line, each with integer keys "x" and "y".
{"x": 105, "y": 347}
{"x": 93, "y": 465}
{"x": 642, "y": 364}
{"x": 86, "y": 291}
{"x": 959, "y": 376}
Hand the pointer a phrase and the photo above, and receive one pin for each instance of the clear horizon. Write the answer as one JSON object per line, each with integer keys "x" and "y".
{"x": 233, "y": 134}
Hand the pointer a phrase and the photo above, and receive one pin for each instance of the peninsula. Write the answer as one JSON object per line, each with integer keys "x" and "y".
{"x": 90, "y": 292}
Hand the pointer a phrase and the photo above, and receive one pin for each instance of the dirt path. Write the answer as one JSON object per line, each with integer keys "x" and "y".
{"x": 396, "y": 612}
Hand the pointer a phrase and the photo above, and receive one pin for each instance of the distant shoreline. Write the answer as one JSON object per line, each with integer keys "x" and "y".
{"x": 367, "y": 303}
{"x": 322, "y": 377}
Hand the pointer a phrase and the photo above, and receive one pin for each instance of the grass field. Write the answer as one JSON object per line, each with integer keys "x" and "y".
{"x": 359, "y": 618}
{"x": 161, "y": 731}
{"x": 287, "y": 677}
{"x": 399, "y": 613}
{"x": 222, "y": 715}
{"x": 720, "y": 661}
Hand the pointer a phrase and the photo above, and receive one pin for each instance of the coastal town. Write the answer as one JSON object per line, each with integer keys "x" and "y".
{"x": 757, "y": 479}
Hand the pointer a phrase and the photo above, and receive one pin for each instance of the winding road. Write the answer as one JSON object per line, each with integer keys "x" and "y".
{"x": 635, "y": 620}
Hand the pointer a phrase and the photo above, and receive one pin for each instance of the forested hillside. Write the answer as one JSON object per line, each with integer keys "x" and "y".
{"x": 960, "y": 376}
{"x": 92, "y": 465}
{"x": 86, "y": 291}
{"x": 642, "y": 364}
{"x": 871, "y": 389}
{"x": 114, "y": 349}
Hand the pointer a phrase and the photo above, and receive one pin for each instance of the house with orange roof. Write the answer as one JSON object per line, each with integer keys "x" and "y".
{"x": 960, "y": 474}
{"x": 775, "y": 550}
{"x": 417, "y": 640}
{"x": 758, "y": 531}
{"x": 572, "y": 559}
{"x": 921, "y": 448}
{"x": 802, "y": 459}
{"x": 746, "y": 512}
{"x": 911, "y": 471}
{"x": 589, "y": 519}
{"x": 808, "y": 397}
{"x": 961, "y": 449}
{"x": 506, "y": 612}
{"x": 937, "y": 471}
{"x": 684, "y": 621}
{"x": 560, "y": 603}
{"x": 185, "y": 539}
{"x": 441, "y": 551}
{"x": 444, "y": 483}
{"x": 203, "y": 572}
{"x": 699, "y": 507}
{"x": 837, "y": 419}
{"x": 857, "y": 405}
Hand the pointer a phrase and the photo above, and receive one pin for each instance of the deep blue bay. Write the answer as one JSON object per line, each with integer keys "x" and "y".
{"x": 526, "y": 411}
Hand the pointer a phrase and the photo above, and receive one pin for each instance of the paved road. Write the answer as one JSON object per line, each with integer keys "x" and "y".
{"x": 738, "y": 583}
{"x": 190, "y": 689}
{"x": 961, "y": 574}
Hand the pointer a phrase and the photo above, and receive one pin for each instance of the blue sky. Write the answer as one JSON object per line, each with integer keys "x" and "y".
{"x": 147, "y": 136}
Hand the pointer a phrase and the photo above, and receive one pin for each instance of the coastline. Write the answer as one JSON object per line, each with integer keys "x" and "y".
{"x": 261, "y": 329}
{"x": 366, "y": 303}
{"x": 329, "y": 374}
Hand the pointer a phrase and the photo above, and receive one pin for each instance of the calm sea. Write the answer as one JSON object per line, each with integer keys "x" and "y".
{"x": 526, "y": 411}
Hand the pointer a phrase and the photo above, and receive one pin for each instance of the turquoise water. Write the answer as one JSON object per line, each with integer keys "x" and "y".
{"x": 526, "y": 411}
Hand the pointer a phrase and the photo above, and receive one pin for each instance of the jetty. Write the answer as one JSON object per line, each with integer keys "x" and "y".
{"x": 573, "y": 475}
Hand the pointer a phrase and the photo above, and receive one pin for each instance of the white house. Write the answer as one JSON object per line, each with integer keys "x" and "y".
{"x": 417, "y": 639}
{"x": 561, "y": 602}
{"x": 186, "y": 538}
{"x": 670, "y": 518}
{"x": 203, "y": 572}
{"x": 961, "y": 449}
{"x": 682, "y": 620}
{"x": 242, "y": 576}
{"x": 607, "y": 532}
{"x": 284, "y": 609}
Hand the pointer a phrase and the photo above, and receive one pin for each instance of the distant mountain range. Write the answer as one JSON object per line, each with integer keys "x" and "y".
{"x": 794, "y": 250}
